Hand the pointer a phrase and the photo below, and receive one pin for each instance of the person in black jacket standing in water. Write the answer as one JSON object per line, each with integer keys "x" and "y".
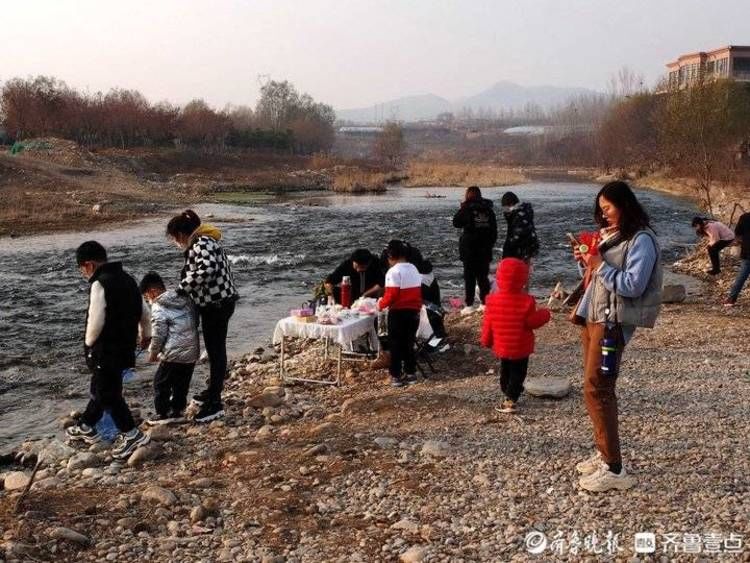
{"x": 520, "y": 240}
{"x": 477, "y": 219}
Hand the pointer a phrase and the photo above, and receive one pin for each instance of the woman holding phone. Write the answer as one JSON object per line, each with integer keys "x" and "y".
{"x": 624, "y": 293}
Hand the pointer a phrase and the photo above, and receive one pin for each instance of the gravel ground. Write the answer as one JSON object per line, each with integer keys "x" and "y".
{"x": 426, "y": 473}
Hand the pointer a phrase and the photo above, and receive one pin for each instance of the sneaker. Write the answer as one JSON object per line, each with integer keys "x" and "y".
{"x": 160, "y": 419}
{"x": 83, "y": 433}
{"x": 480, "y": 308}
{"x": 209, "y": 412}
{"x": 397, "y": 382}
{"x": 590, "y": 465}
{"x": 201, "y": 397}
{"x": 729, "y": 303}
{"x": 410, "y": 379}
{"x": 603, "y": 480}
{"x": 128, "y": 442}
{"x": 469, "y": 309}
{"x": 507, "y": 407}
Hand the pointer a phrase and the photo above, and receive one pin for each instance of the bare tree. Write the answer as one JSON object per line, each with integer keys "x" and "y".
{"x": 626, "y": 83}
{"x": 390, "y": 145}
{"x": 700, "y": 129}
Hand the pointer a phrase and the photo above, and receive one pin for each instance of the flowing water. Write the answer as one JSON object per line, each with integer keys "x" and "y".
{"x": 279, "y": 251}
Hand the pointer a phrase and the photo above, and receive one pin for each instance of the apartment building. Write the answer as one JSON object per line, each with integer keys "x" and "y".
{"x": 732, "y": 62}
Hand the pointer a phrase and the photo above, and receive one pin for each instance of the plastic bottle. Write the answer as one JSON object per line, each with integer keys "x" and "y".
{"x": 128, "y": 375}
{"x": 106, "y": 427}
{"x": 609, "y": 356}
{"x": 346, "y": 292}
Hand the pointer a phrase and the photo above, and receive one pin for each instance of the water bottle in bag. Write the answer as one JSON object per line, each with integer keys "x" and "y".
{"x": 609, "y": 356}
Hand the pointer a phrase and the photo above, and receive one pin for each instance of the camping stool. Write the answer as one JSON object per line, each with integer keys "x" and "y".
{"x": 423, "y": 354}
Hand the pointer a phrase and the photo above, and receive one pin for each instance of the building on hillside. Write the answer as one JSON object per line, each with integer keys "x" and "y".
{"x": 732, "y": 62}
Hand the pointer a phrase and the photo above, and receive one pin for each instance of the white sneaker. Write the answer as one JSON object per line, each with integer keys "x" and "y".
{"x": 469, "y": 309}
{"x": 603, "y": 480}
{"x": 590, "y": 465}
{"x": 480, "y": 308}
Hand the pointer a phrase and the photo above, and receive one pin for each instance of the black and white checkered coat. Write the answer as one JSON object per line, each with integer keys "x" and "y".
{"x": 207, "y": 274}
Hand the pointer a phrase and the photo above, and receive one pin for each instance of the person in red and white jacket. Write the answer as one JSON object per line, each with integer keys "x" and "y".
{"x": 403, "y": 299}
{"x": 510, "y": 319}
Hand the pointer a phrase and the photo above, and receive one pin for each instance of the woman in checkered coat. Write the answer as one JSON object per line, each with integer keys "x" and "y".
{"x": 207, "y": 279}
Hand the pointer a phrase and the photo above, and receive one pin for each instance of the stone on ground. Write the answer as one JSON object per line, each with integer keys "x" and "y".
{"x": 552, "y": 387}
{"x": 414, "y": 554}
{"x": 66, "y": 534}
{"x": 436, "y": 448}
{"x": 16, "y": 480}
{"x": 159, "y": 495}
{"x": 673, "y": 293}
{"x": 82, "y": 461}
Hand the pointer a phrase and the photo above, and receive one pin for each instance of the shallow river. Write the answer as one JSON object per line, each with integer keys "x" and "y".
{"x": 279, "y": 252}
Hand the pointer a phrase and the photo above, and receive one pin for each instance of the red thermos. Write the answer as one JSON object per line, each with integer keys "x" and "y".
{"x": 346, "y": 292}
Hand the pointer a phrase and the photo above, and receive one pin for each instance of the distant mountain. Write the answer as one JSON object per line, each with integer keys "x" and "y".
{"x": 410, "y": 108}
{"x": 507, "y": 95}
{"x": 503, "y": 95}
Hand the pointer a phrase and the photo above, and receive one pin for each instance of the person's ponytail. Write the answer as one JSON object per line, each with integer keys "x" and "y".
{"x": 183, "y": 224}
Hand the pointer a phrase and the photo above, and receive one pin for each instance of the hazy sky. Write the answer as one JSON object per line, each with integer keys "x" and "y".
{"x": 353, "y": 53}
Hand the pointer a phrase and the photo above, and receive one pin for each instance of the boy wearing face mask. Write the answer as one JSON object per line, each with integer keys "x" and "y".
{"x": 174, "y": 343}
{"x": 115, "y": 311}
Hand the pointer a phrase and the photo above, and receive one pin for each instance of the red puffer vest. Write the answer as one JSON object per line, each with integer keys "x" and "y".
{"x": 511, "y": 315}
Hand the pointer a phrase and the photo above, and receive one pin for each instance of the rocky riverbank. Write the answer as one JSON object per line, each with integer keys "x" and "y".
{"x": 428, "y": 473}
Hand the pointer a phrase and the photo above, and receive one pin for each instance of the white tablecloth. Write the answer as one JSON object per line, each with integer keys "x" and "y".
{"x": 343, "y": 333}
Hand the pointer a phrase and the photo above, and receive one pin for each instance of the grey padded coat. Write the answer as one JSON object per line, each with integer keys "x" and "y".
{"x": 174, "y": 329}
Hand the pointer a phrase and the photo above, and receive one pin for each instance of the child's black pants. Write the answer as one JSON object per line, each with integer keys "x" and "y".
{"x": 402, "y": 335}
{"x": 512, "y": 376}
{"x": 171, "y": 385}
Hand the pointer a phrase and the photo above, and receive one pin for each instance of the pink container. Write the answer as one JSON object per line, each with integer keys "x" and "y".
{"x": 455, "y": 302}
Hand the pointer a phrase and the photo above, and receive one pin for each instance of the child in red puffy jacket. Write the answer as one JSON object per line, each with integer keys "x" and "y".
{"x": 510, "y": 319}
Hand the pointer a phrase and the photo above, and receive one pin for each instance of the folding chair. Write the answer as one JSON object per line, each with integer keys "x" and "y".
{"x": 423, "y": 355}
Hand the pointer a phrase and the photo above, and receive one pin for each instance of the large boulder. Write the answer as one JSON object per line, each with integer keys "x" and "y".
{"x": 551, "y": 387}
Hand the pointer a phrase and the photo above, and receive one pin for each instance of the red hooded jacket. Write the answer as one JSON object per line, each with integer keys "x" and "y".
{"x": 510, "y": 315}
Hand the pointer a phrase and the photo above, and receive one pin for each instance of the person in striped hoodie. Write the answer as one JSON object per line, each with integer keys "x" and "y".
{"x": 403, "y": 299}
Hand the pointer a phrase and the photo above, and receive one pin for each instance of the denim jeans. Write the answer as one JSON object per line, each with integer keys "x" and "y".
{"x": 739, "y": 281}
